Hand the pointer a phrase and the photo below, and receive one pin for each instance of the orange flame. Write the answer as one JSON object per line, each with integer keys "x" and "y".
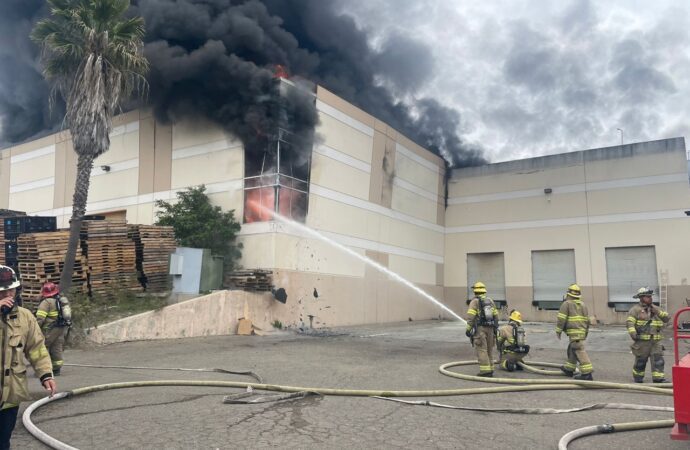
{"x": 259, "y": 204}
{"x": 280, "y": 71}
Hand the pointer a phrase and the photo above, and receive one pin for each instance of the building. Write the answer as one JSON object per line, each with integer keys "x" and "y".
{"x": 610, "y": 219}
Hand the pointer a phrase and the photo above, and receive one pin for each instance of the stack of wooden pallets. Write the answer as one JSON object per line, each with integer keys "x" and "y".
{"x": 41, "y": 258}
{"x": 154, "y": 245}
{"x": 110, "y": 256}
{"x": 250, "y": 280}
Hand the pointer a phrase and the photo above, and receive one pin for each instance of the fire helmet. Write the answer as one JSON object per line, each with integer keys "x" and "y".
{"x": 574, "y": 291}
{"x": 644, "y": 292}
{"x": 49, "y": 289}
{"x": 479, "y": 288}
{"x": 516, "y": 316}
{"x": 8, "y": 279}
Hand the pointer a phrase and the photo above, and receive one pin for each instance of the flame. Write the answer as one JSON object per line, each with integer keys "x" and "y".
{"x": 280, "y": 71}
{"x": 259, "y": 204}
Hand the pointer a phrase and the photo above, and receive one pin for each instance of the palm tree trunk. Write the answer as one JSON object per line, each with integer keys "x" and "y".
{"x": 81, "y": 193}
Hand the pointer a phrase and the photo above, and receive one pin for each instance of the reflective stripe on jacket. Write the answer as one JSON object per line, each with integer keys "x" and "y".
{"x": 645, "y": 324}
{"x": 47, "y": 313}
{"x": 21, "y": 338}
{"x": 573, "y": 318}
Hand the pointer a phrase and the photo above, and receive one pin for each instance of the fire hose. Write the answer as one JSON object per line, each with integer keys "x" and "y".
{"x": 517, "y": 385}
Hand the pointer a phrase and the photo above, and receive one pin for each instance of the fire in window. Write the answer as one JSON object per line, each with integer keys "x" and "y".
{"x": 278, "y": 181}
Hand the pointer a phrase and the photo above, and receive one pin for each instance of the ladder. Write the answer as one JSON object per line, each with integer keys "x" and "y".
{"x": 663, "y": 290}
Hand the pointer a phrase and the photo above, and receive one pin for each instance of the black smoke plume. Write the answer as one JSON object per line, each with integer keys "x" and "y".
{"x": 24, "y": 95}
{"x": 216, "y": 58}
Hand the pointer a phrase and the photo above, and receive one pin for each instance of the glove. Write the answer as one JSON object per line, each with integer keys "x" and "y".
{"x": 633, "y": 336}
{"x": 468, "y": 332}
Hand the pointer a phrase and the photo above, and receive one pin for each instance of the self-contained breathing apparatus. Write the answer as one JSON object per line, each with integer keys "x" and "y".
{"x": 519, "y": 345}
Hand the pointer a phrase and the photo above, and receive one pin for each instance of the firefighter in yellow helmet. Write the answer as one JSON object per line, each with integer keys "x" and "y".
{"x": 21, "y": 338}
{"x": 573, "y": 318}
{"x": 511, "y": 342}
{"x": 645, "y": 322}
{"x": 482, "y": 320}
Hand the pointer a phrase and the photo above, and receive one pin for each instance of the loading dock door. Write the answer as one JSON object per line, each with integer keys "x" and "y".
{"x": 552, "y": 272}
{"x": 489, "y": 269}
{"x": 628, "y": 269}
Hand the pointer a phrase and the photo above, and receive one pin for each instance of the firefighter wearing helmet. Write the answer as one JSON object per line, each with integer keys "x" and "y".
{"x": 645, "y": 322}
{"x": 54, "y": 316}
{"x": 21, "y": 338}
{"x": 573, "y": 318}
{"x": 482, "y": 320}
{"x": 511, "y": 342}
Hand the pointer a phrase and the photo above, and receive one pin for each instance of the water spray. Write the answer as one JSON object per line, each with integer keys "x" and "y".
{"x": 368, "y": 261}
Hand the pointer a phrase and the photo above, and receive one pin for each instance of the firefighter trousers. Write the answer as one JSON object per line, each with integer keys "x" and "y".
{"x": 55, "y": 341}
{"x": 484, "y": 343}
{"x": 509, "y": 360}
{"x": 644, "y": 350}
{"x": 578, "y": 354}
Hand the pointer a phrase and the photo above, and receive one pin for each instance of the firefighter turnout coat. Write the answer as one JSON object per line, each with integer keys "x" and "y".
{"x": 21, "y": 337}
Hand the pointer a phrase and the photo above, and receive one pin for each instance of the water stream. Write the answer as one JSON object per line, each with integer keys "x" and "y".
{"x": 368, "y": 261}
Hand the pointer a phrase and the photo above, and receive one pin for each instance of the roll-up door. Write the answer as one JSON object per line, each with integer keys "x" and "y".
{"x": 552, "y": 272}
{"x": 628, "y": 269}
{"x": 489, "y": 269}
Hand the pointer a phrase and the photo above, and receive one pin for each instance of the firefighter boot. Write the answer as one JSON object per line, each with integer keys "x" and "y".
{"x": 566, "y": 372}
{"x": 486, "y": 374}
{"x": 584, "y": 377}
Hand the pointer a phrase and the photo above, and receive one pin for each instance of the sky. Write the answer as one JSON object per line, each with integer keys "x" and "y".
{"x": 538, "y": 77}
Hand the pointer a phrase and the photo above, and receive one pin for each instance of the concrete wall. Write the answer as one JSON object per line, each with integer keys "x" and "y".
{"x": 215, "y": 314}
{"x": 630, "y": 195}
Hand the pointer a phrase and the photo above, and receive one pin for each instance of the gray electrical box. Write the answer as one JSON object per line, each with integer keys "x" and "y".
{"x": 195, "y": 270}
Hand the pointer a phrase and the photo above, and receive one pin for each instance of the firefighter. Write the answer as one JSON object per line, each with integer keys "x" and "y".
{"x": 511, "y": 342}
{"x": 54, "y": 316}
{"x": 574, "y": 320}
{"x": 482, "y": 320}
{"x": 645, "y": 322}
{"x": 21, "y": 338}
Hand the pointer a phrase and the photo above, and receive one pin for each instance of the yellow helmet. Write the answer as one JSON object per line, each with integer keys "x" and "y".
{"x": 515, "y": 316}
{"x": 479, "y": 288}
{"x": 574, "y": 291}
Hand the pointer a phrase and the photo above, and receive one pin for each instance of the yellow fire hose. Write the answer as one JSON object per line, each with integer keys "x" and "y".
{"x": 517, "y": 385}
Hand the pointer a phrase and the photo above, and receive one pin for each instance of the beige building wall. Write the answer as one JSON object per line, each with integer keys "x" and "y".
{"x": 635, "y": 195}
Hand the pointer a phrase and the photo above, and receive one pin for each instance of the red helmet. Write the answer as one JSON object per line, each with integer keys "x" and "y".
{"x": 49, "y": 289}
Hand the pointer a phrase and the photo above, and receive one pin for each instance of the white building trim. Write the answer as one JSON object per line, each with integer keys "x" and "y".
{"x": 397, "y": 181}
{"x": 365, "y": 244}
{"x": 344, "y": 158}
{"x": 202, "y": 149}
{"x": 582, "y": 220}
{"x": 373, "y": 207}
{"x": 409, "y": 154}
{"x": 342, "y": 117}
{"x": 44, "y": 182}
{"x": 133, "y": 200}
{"x": 43, "y": 151}
{"x": 115, "y": 167}
{"x": 570, "y": 188}
{"x": 123, "y": 129}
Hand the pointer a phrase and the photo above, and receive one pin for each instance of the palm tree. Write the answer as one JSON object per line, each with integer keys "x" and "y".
{"x": 93, "y": 56}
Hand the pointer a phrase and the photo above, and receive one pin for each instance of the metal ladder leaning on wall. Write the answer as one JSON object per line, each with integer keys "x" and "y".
{"x": 663, "y": 289}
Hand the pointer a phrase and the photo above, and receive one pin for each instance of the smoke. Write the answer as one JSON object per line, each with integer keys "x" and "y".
{"x": 24, "y": 94}
{"x": 216, "y": 58}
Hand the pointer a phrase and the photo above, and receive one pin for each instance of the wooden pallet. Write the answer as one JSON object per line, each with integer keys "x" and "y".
{"x": 250, "y": 280}
{"x": 154, "y": 244}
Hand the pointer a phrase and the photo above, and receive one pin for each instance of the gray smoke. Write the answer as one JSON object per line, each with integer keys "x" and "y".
{"x": 24, "y": 95}
{"x": 216, "y": 58}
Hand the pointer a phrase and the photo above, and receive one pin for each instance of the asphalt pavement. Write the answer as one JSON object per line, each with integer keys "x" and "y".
{"x": 392, "y": 357}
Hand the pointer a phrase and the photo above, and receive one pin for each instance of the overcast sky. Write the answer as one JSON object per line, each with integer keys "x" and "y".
{"x": 533, "y": 77}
